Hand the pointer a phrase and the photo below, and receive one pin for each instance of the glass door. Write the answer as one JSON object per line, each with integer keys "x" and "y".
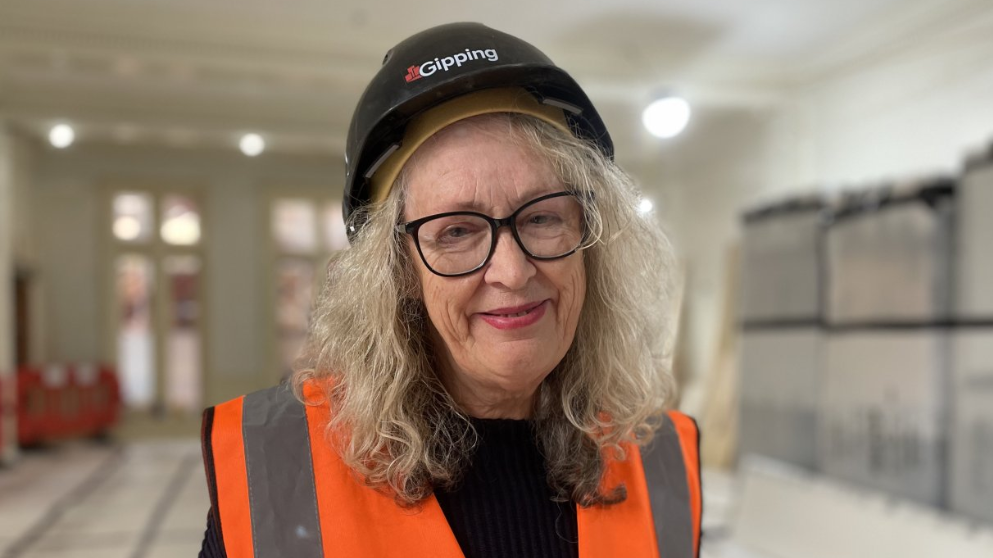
{"x": 157, "y": 315}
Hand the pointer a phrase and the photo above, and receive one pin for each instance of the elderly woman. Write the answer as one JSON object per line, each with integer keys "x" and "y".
{"x": 485, "y": 373}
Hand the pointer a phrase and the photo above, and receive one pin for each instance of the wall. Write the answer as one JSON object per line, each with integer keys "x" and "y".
{"x": 915, "y": 109}
{"x": 71, "y": 226}
{"x": 6, "y": 290}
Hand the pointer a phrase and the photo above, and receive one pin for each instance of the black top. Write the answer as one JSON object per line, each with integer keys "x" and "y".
{"x": 503, "y": 506}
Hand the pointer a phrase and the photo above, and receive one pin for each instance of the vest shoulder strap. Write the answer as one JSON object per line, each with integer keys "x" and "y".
{"x": 672, "y": 474}
{"x": 260, "y": 470}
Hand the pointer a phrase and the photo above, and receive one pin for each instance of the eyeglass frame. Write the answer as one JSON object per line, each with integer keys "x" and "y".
{"x": 411, "y": 228}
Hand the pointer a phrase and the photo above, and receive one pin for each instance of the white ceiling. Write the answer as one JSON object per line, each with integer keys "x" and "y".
{"x": 200, "y": 72}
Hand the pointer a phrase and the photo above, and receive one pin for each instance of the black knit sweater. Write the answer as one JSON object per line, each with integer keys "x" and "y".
{"x": 503, "y": 506}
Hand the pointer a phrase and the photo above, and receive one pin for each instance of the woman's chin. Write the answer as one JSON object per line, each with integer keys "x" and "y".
{"x": 517, "y": 378}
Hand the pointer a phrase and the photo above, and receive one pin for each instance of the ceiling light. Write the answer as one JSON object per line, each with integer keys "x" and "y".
{"x": 252, "y": 144}
{"x": 666, "y": 117}
{"x": 645, "y": 206}
{"x": 61, "y": 136}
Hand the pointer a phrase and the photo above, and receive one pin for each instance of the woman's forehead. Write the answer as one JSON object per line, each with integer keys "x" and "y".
{"x": 477, "y": 166}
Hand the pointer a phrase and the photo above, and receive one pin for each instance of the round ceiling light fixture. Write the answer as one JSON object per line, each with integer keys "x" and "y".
{"x": 666, "y": 117}
{"x": 252, "y": 144}
{"x": 61, "y": 136}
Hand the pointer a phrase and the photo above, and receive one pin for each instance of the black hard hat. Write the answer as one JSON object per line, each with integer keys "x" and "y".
{"x": 440, "y": 64}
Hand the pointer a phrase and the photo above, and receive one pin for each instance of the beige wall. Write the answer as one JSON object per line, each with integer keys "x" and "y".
{"x": 6, "y": 249}
{"x": 7, "y": 211}
{"x": 917, "y": 110}
{"x": 71, "y": 227}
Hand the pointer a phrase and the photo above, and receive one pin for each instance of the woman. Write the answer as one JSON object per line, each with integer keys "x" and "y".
{"x": 485, "y": 372}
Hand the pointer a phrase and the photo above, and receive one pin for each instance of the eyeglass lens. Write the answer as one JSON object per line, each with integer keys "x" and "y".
{"x": 459, "y": 243}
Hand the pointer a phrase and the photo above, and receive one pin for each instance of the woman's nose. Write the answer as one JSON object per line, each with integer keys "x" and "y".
{"x": 509, "y": 266}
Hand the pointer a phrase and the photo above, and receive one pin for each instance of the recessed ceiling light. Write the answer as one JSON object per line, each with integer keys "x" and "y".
{"x": 666, "y": 117}
{"x": 61, "y": 136}
{"x": 252, "y": 144}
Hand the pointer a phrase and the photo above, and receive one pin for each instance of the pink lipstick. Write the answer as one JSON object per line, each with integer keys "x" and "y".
{"x": 515, "y": 317}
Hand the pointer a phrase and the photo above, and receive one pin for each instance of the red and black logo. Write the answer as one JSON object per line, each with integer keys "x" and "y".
{"x": 413, "y": 73}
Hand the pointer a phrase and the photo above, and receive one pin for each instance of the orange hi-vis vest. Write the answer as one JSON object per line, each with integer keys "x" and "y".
{"x": 279, "y": 489}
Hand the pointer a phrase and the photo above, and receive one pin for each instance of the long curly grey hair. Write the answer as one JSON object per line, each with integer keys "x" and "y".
{"x": 392, "y": 420}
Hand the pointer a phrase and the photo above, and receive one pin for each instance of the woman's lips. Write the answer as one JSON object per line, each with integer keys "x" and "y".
{"x": 517, "y": 317}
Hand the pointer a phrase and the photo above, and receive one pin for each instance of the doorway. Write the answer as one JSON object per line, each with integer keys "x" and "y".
{"x": 156, "y": 311}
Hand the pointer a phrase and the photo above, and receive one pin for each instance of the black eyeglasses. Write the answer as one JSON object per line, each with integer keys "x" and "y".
{"x": 461, "y": 242}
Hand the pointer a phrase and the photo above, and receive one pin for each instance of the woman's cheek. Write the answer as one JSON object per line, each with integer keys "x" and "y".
{"x": 576, "y": 295}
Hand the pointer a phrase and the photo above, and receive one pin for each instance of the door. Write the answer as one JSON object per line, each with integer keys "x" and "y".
{"x": 157, "y": 311}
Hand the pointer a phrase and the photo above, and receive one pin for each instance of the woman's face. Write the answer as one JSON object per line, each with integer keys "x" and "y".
{"x": 492, "y": 360}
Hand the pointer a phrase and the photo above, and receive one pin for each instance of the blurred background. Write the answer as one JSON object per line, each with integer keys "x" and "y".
{"x": 170, "y": 194}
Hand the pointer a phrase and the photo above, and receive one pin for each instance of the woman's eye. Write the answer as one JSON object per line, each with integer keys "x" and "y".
{"x": 543, "y": 219}
{"x": 458, "y": 233}
{"x": 454, "y": 232}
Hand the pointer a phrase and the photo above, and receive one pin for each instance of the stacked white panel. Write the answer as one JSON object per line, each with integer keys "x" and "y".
{"x": 890, "y": 263}
{"x": 780, "y": 350}
{"x": 781, "y": 270}
{"x": 884, "y": 407}
{"x": 971, "y": 464}
{"x": 971, "y": 458}
{"x": 974, "y": 244}
{"x": 779, "y": 394}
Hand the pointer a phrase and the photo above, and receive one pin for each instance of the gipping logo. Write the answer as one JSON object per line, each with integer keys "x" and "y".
{"x": 413, "y": 73}
{"x": 456, "y": 60}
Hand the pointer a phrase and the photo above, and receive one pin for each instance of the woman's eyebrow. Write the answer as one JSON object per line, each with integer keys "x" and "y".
{"x": 518, "y": 201}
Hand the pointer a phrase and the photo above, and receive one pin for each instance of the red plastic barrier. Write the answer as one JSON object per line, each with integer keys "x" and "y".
{"x": 60, "y": 400}
{"x": 57, "y": 402}
{"x": 32, "y": 416}
{"x": 85, "y": 379}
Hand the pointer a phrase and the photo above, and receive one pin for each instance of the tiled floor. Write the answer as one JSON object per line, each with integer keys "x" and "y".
{"x": 141, "y": 500}
{"x": 149, "y": 500}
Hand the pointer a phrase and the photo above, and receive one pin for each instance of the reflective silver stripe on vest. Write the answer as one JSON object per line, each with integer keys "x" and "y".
{"x": 668, "y": 493}
{"x": 281, "y": 492}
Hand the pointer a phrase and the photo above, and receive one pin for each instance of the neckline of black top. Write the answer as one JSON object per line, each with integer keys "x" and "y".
{"x": 503, "y": 505}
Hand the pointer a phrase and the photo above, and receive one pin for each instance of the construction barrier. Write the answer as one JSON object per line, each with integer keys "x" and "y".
{"x": 63, "y": 401}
